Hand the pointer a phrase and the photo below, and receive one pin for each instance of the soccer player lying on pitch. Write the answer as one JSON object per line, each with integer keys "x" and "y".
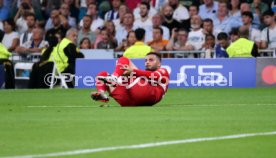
{"x": 130, "y": 86}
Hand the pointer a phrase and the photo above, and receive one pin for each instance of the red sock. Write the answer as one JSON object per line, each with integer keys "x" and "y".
{"x": 121, "y": 61}
{"x": 100, "y": 85}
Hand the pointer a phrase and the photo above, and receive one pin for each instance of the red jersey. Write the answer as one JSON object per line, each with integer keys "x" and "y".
{"x": 147, "y": 88}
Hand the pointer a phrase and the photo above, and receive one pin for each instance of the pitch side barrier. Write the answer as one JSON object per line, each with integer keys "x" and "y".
{"x": 184, "y": 73}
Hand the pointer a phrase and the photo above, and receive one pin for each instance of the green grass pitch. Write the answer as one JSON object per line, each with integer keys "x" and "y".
{"x": 49, "y": 121}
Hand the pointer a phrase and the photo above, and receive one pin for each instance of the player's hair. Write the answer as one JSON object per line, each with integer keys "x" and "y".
{"x": 222, "y": 36}
{"x": 140, "y": 34}
{"x": 158, "y": 55}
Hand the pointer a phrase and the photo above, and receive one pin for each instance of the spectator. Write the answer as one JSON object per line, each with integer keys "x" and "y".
{"x": 66, "y": 20}
{"x": 83, "y": 5}
{"x": 31, "y": 5}
{"x": 208, "y": 46}
{"x": 85, "y": 31}
{"x": 123, "y": 9}
{"x": 268, "y": 34}
{"x": 73, "y": 9}
{"x": 113, "y": 14}
{"x": 152, "y": 10}
{"x": 35, "y": 45}
{"x": 222, "y": 21}
{"x": 96, "y": 20}
{"x": 51, "y": 5}
{"x": 11, "y": 37}
{"x": 169, "y": 22}
{"x": 131, "y": 39}
{"x": 139, "y": 49}
{"x": 258, "y": 7}
{"x": 157, "y": 22}
{"x": 4, "y": 11}
{"x": 245, "y": 7}
{"x": 243, "y": 47}
{"x": 178, "y": 41}
{"x": 235, "y": 8}
{"x": 85, "y": 43}
{"x": 145, "y": 20}
{"x": 193, "y": 10}
{"x": 105, "y": 42}
{"x": 20, "y": 17}
{"x": 208, "y": 9}
{"x": 208, "y": 27}
{"x": 57, "y": 27}
{"x": 127, "y": 27}
{"x": 158, "y": 43}
{"x": 196, "y": 36}
{"x": 180, "y": 13}
{"x": 27, "y": 35}
{"x": 110, "y": 29}
{"x": 254, "y": 34}
{"x": 234, "y": 34}
{"x": 223, "y": 43}
{"x": 8, "y": 65}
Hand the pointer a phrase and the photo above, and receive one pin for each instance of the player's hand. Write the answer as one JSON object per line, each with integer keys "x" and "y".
{"x": 127, "y": 68}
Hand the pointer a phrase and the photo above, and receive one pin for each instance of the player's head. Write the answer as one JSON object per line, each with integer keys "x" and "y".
{"x": 153, "y": 61}
{"x": 140, "y": 34}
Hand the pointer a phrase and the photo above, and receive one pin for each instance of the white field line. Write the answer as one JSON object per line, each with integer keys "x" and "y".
{"x": 185, "y": 105}
{"x": 141, "y": 146}
{"x": 65, "y": 106}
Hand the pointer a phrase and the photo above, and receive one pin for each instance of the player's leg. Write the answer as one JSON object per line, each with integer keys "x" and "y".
{"x": 102, "y": 87}
{"x": 143, "y": 93}
{"x": 118, "y": 71}
{"x": 120, "y": 62}
{"x": 119, "y": 93}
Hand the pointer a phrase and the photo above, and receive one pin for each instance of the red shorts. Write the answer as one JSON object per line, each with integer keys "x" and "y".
{"x": 139, "y": 93}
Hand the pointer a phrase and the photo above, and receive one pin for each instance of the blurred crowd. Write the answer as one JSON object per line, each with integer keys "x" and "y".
{"x": 29, "y": 25}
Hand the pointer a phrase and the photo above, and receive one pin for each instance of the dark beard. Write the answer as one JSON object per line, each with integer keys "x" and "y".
{"x": 143, "y": 16}
{"x": 152, "y": 69}
{"x": 169, "y": 17}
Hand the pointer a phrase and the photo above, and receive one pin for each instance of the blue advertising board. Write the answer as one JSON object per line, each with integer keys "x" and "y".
{"x": 184, "y": 73}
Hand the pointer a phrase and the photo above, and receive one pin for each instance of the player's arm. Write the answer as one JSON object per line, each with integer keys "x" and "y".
{"x": 153, "y": 75}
